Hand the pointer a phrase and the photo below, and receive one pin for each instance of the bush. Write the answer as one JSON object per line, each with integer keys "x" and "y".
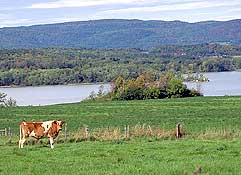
{"x": 132, "y": 94}
{"x": 143, "y": 87}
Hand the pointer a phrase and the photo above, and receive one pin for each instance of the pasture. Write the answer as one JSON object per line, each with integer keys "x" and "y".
{"x": 215, "y": 157}
{"x": 218, "y": 155}
{"x": 196, "y": 114}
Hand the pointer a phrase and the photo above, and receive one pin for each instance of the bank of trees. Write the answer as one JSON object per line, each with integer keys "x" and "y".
{"x": 52, "y": 66}
{"x": 145, "y": 86}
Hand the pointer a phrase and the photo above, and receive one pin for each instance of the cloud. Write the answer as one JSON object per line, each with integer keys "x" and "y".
{"x": 14, "y": 22}
{"x": 234, "y": 10}
{"x": 175, "y": 7}
{"x": 3, "y": 16}
{"x": 186, "y": 10}
{"x": 11, "y": 22}
{"x": 85, "y": 3}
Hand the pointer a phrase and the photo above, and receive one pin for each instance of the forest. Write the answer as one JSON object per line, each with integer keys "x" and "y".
{"x": 53, "y": 66}
{"x": 120, "y": 33}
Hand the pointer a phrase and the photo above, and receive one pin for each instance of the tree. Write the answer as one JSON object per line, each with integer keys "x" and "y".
{"x": 7, "y": 102}
{"x": 92, "y": 95}
{"x": 176, "y": 88}
{"x": 10, "y": 102}
{"x": 100, "y": 91}
{"x": 2, "y": 98}
{"x": 169, "y": 85}
{"x": 119, "y": 83}
{"x": 164, "y": 80}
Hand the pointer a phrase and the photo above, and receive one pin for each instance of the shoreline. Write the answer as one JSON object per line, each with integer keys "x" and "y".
{"x": 99, "y": 83}
{"x": 15, "y": 86}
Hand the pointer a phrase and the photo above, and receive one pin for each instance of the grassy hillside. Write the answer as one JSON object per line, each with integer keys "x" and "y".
{"x": 196, "y": 114}
{"x": 119, "y": 33}
{"x": 137, "y": 156}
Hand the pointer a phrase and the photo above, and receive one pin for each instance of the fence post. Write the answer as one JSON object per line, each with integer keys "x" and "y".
{"x": 65, "y": 131}
{"x": 9, "y": 132}
{"x": 6, "y": 132}
{"x": 178, "y": 131}
{"x": 86, "y": 132}
{"x": 127, "y": 131}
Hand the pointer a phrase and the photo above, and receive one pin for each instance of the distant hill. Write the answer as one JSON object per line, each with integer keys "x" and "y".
{"x": 53, "y": 66}
{"x": 118, "y": 33}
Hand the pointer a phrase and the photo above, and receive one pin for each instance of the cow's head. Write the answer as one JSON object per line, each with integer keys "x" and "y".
{"x": 59, "y": 125}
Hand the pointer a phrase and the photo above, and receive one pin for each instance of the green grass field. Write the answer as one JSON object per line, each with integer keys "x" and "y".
{"x": 197, "y": 114}
{"x": 129, "y": 157}
{"x": 139, "y": 155}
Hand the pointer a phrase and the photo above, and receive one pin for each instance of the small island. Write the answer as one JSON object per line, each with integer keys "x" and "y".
{"x": 196, "y": 77}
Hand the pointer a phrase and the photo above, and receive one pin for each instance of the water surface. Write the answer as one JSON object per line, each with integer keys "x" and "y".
{"x": 220, "y": 84}
{"x": 46, "y": 95}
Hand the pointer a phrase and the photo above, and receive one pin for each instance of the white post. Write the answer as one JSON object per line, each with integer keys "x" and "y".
{"x": 65, "y": 131}
{"x": 6, "y": 132}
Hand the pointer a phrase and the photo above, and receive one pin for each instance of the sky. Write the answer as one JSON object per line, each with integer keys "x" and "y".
{"x": 31, "y": 12}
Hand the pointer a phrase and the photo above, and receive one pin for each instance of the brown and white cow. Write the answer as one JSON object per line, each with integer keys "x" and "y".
{"x": 38, "y": 130}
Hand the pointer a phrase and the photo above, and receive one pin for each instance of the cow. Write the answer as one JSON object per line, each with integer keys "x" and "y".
{"x": 38, "y": 130}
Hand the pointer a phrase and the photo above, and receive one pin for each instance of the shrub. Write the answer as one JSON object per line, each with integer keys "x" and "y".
{"x": 144, "y": 87}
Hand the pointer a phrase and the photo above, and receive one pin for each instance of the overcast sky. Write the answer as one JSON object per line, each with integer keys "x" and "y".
{"x": 30, "y": 12}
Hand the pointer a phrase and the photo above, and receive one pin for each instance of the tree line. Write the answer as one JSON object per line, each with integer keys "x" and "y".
{"x": 52, "y": 66}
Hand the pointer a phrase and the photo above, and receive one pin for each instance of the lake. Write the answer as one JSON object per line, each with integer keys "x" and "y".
{"x": 46, "y": 95}
{"x": 220, "y": 84}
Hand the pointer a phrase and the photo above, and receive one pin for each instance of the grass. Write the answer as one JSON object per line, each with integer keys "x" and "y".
{"x": 124, "y": 157}
{"x": 213, "y": 143}
{"x": 196, "y": 114}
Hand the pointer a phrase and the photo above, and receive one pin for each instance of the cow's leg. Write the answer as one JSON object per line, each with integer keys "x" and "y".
{"x": 22, "y": 138}
{"x": 21, "y": 142}
{"x": 51, "y": 140}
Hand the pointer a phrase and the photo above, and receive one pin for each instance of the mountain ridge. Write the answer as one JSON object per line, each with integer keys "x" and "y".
{"x": 120, "y": 33}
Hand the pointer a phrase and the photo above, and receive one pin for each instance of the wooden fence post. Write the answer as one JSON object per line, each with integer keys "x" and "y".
{"x": 86, "y": 132}
{"x": 9, "y": 132}
{"x": 127, "y": 131}
{"x": 6, "y": 132}
{"x": 178, "y": 131}
{"x": 65, "y": 131}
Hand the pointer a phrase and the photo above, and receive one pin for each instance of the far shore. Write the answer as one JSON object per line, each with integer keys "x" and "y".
{"x": 15, "y": 86}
